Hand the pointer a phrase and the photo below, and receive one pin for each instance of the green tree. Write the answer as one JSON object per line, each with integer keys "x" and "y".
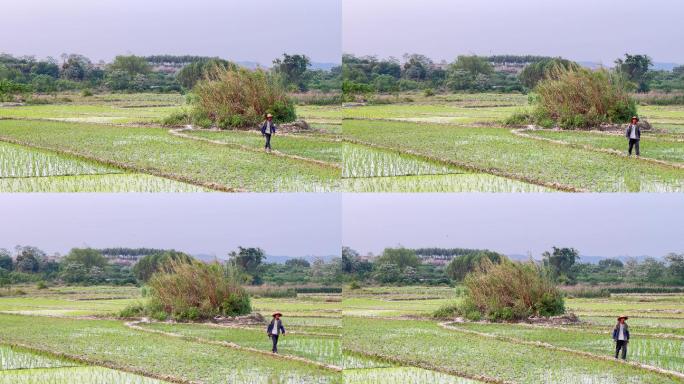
{"x": 29, "y": 259}
{"x": 676, "y": 266}
{"x": 88, "y": 257}
{"x": 386, "y": 272}
{"x": 5, "y": 260}
{"x": 417, "y": 67}
{"x": 635, "y": 68}
{"x": 156, "y": 262}
{"x": 473, "y": 65}
{"x": 540, "y": 70}
{"x": 461, "y": 265}
{"x": 133, "y": 65}
{"x": 559, "y": 263}
{"x": 249, "y": 261}
{"x": 192, "y": 73}
{"x": 292, "y": 68}
{"x": 401, "y": 257}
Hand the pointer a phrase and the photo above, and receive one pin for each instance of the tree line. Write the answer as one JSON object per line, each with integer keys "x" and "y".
{"x": 365, "y": 75}
{"x": 403, "y": 266}
{"x": 21, "y": 76}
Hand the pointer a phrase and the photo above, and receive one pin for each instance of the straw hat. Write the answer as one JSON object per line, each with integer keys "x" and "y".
{"x": 635, "y": 118}
{"x": 623, "y": 317}
{"x": 268, "y": 115}
{"x": 277, "y": 314}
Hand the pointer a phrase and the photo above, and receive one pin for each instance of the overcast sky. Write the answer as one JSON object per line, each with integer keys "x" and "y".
{"x": 582, "y": 30}
{"x": 281, "y": 224}
{"x": 255, "y": 30}
{"x": 595, "y": 224}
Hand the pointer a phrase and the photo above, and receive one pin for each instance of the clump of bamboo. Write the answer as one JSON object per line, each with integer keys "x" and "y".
{"x": 581, "y": 98}
{"x": 240, "y": 98}
{"x": 194, "y": 291}
{"x": 510, "y": 291}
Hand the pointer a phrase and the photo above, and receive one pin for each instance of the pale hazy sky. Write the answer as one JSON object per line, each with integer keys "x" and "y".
{"x": 254, "y": 30}
{"x": 596, "y": 224}
{"x": 583, "y": 30}
{"x": 281, "y": 224}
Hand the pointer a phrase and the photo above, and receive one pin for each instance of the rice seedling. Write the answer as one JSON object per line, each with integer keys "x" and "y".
{"x": 459, "y": 182}
{"x": 424, "y": 344}
{"x": 324, "y": 349}
{"x": 155, "y": 151}
{"x": 17, "y": 161}
{"x": 660, "y": 352}
{"x": 311, "y": 147}
{"x": 15, "y": 358}
{"x": 82, "y": 375}
{"x": 362, "y": 161}
{"x": 123, "y": 182}
{"x": 100, "y": 341}
{"x": 498, "y": 151}
{"x": 396, "y": 375}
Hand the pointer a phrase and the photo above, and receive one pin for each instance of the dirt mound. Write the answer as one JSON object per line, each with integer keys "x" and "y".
{"x": 566, "y": 319}
{"x": 295, "y": 126}
{"x": 251, "y": 319}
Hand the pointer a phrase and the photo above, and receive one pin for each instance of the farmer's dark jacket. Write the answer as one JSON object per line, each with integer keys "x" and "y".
{"x": 638, "y": 131}
{"x": 263, "y": 128}
{"x": 616, "y": 332}
{"x": 281, "y": 329}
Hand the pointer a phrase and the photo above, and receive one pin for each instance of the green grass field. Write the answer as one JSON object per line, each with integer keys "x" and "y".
{"x": 394, "y": 324}
{"x": 437, "y": 138}
{"x": 90, "y": 138}
{"x": 73, "y": 332}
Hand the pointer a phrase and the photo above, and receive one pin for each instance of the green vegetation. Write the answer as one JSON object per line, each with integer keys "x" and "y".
{"x": 100, "y": 341}
{"x": 498, "y": 151}
{"x": 239, "y": 98}
{"x": 153, "y": 150}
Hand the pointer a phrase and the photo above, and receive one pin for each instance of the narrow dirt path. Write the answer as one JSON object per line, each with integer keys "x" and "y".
{"x": 180, "y": 132}
{"x": 522, "y": 132}
{"x": 135, "y": 325}
{"x": 674, "y": 374}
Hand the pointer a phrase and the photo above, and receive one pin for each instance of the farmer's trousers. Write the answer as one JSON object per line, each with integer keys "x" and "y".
{"x": 621, "y": 345}
{"x": 275, "y": 339}
{"x": 634, "y": 143}
{"x": 268, "y": 142}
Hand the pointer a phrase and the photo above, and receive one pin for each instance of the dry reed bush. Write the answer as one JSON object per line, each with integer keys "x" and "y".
{"x": 194, "y": 291}
{"x": 582, "y": 98}
{"x": 510, "y": 291}
{"x": 241, "y": 98}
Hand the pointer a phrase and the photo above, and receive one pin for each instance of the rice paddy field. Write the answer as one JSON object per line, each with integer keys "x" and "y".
{"x": 458, "y": 143}
{"x": 395, "y": 325}
{"x": 62, "y": 334}
{"x": 116, "y": 143}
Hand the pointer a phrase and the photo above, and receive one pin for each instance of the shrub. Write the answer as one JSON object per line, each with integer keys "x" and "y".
{"x": 428, "y": 92}
{"x": 237, "y": 97}
{"x": 86, "y": 92}
{"x": 194, "y": 291}
{"x": 354, "y": 285}
{"x": 447, "y": 311}
{"x": 580, "y": 98}
{"x": 41, "y": 285}
{"x": 510, "y": 291}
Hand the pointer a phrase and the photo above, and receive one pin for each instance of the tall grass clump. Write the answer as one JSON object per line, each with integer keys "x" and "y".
{"x": 581, "y": 98}
{"x": 240, "y": 98}
{"x": 578, "y": 98}
{"x": 509, "y": 291}
{"x": 194, "y": 291}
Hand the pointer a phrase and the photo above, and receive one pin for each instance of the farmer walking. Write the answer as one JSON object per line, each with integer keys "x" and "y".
{"x": 621, "y": 337}
{"x": 275, "y": 329}
{"x": 633, "y": 133}
{"x": 268, "y": 129}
